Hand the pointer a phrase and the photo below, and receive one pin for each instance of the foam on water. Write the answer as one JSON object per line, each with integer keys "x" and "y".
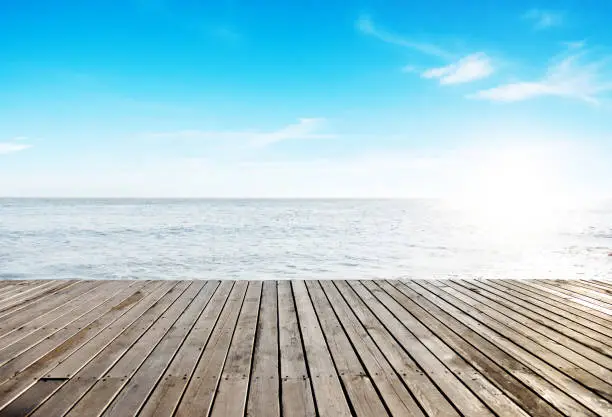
{"x": 264, "y": 239}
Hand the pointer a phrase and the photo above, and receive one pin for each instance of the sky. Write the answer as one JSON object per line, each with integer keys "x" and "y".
{"x": 235, "y": 98}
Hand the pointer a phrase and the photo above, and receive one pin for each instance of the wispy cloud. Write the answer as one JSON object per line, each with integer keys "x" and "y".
{"x": 544, "y": 19}
{"x": 304, "y": 129}
{"x": 569, "y": 77}
{"x": 13, "y": 145}
{"x": 470, "y": 68}
{"x": 366, "y": 25}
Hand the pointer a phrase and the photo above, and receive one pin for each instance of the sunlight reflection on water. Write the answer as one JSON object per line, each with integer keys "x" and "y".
{"x": 261, "y": 239}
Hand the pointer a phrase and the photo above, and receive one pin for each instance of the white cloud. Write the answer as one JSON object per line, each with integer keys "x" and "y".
{"x": 470, "y": 68}
{"x": 534, "y": 169}
{"x": 544, "y": 19}
{"x": 12, "y": 145}
{"x": 304, "y": 129}
{"x": 568, "y": 77}
{"x": 366, "y": 26}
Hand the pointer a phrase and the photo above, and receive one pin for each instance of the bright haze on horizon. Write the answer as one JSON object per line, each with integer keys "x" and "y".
{"x": 179, "y": 98}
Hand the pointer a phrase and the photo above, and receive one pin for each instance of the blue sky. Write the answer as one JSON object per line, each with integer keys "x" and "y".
{"x": 310, "y": 98}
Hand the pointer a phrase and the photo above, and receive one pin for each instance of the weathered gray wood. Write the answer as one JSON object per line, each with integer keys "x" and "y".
{"x": 544, "y": 307}
{"x": 297, "y": 397}
{"x": 562, "y": 302}
{"x": 358, "y": 385}
{"x": 165, "y": 397}
{"x": 371, "y": 348}
{"x": 134, "y": 394}
{"x": 156, "y": 321}
{"x": 555, "y": 344}
{"x": 480, "y": 386}
{"x": 464, "y": 341}
{"x": 428, "y": 396}
{"x": 503, "y": 352}
{"x": 573, "y": 299}
{"x": 394, "y": 393}
{"x": 327, "y": 388}
{"x": 28, "y": 335}
{"x": 22, "y": 373}
{"x": 535, "y": 358}
{"x": 232, "y": 391}
{"x": 264, "y": 391}
{"x": 200, "y": 392}
{"x": 461, "y": 397}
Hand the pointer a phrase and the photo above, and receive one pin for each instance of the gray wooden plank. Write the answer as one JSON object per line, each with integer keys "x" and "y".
{"x": 264, "y": 390}
{"x": 159, "y": 319}
{"x": 555, "y": 344}
{"x": 22, "y": 303}
{"x": 534, "y": 357}
{"x": 572, "y": 299}
{"x": 25, "y": 403}
{"x": 166, "y": 395}
{"x": 576, "y": 309}
{"x": 481, "y": 387}
{"x": 28, "y": 341}
{"x": 21, "y": 318}
{"x": 231, "y": 397}
{"x": 202, "y": 386}
{"x": 427, "y": 394}
{"x": 20, "y": 374}
{"x": 593, "y": 285}
{"x": 86, "y": 371}
{"x": 39, "y": 328}
{"x": 135, "y": 393}
{"x": 594, "y": 296}
{"x": 357, "y": 382}
{"x": 499, "y": 350}
{"x": 328, "y": 392}
{"x": 296, "y": 390}
{"x": 543, "y": 306}
{"x": 461, "y": 397}
{"x": 466, "y": 343}
{"x": 393, "y": 392}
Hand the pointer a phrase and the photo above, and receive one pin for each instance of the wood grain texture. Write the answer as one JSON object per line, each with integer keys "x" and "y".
{"x": 306, "y": 348}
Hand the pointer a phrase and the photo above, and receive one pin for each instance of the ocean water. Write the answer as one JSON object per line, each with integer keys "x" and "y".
{"x": 295, "y": 239}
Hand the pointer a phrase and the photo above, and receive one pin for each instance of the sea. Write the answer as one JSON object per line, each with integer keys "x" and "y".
{"x": 301, "y": 239}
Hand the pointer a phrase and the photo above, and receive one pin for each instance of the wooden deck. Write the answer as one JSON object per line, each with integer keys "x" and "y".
{"x": 305, "y": 348}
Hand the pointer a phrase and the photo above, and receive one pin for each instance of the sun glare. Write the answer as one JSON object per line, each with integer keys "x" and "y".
{"x": 514, "y": 190}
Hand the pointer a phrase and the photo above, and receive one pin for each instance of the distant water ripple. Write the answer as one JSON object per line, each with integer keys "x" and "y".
{"x": 266, "y": 239}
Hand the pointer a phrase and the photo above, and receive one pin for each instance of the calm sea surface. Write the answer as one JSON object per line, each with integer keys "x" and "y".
{"x": 264, "y": 239}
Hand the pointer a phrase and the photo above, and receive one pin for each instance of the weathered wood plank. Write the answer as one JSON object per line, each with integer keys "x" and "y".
{"x": 28, "y": 335}
{"x": 231, "y": 397}
{"x": 427, "y": 394}
{"x": 547, "y": 344}
{"x": 358, "y": 385}
{"x": 461, "y": 397}
{"x": 165, "y": 397}
{"x": 576, "y": 309}
{"x": 534, "y": 356}
{"x": 155, "y": 322}
{"x": 465, "y": 341}
{"x": 480, "y": 386}
{"x": 296, "y": 394}
{"x": 394, "y": 393}
{"x": 22, "y": 373}
{"x": 134, "y": 394}
{"x": 328, "y": 391}
{"x": 306, "y": 348}
{"x": 264, "y": 391}
{"x": 199, "y": 394}
{"x": 545, "y": 307}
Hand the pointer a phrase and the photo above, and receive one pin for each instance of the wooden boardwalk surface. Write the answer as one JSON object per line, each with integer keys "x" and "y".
{"x": 305, "y": 348}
